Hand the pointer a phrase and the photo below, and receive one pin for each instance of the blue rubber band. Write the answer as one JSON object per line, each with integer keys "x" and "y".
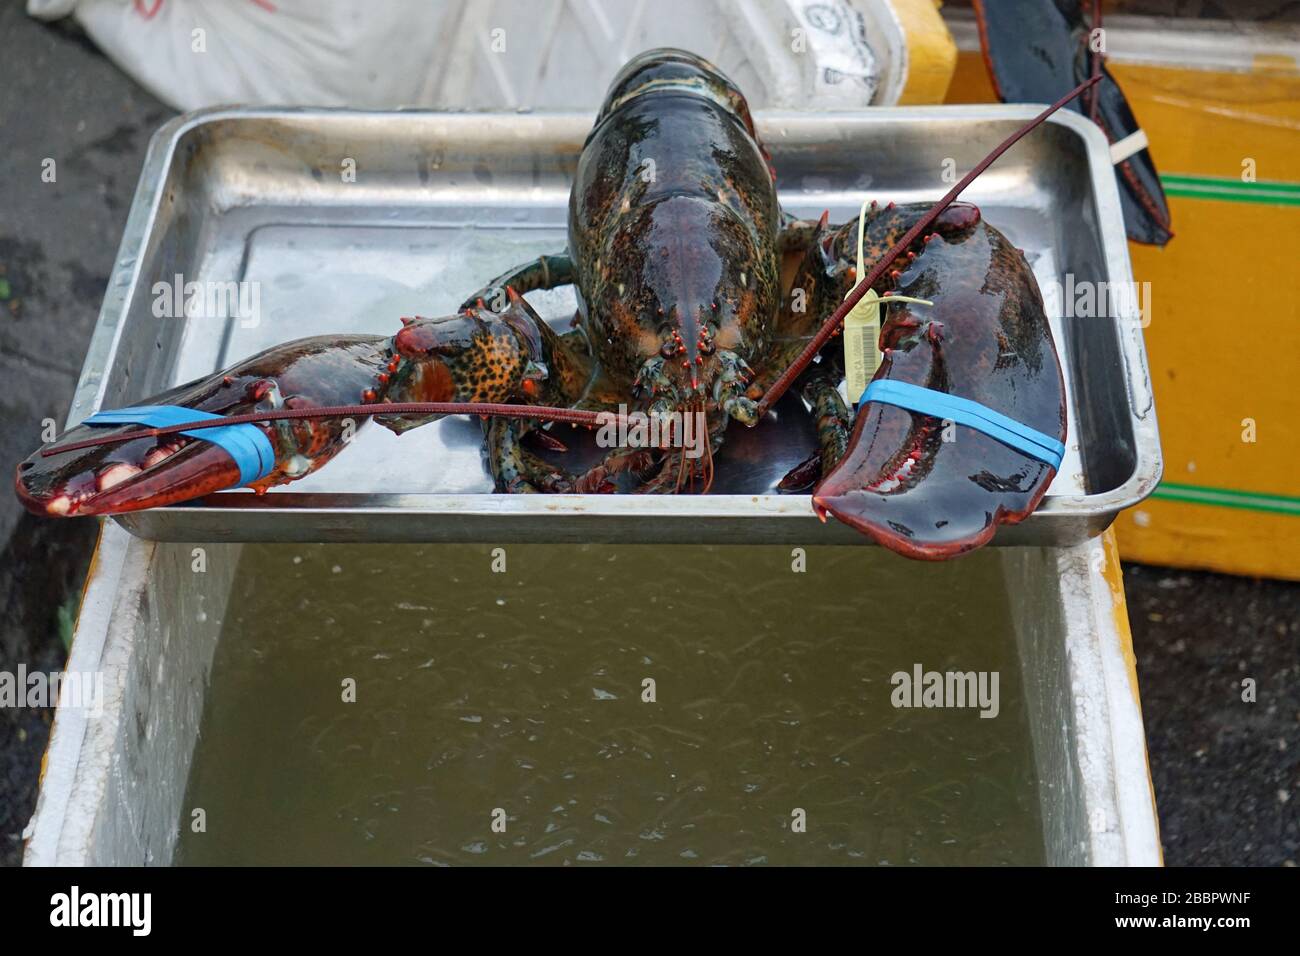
{"x": 963, "y": 411}
{"x": 246, "y": 443}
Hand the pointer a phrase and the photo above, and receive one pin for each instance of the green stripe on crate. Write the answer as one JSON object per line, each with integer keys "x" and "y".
{"x": 1231, "y": 190}
{"x": 1227, "y": 498}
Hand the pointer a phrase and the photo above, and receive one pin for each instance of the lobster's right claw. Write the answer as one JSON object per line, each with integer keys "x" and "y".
{"x": 151, "y": 472}
{"x": 113, "y": 479}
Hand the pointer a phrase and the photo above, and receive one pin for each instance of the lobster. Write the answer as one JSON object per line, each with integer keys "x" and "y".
{"x": 675, "y": 250}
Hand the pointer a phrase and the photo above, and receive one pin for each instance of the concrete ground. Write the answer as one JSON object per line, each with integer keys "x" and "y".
{"x": 1227, "y": 773}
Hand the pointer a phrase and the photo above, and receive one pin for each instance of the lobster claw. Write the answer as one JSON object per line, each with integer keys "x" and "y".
{"x": 925, "y": 498}
{"x": 151, "y": 472}
{"x": 928, "y": 472}
{"x": 112, "y": 479}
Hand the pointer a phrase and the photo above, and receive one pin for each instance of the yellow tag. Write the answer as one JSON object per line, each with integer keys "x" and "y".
{"x": 862, "y": 328}
{"x": 861, "y": 338}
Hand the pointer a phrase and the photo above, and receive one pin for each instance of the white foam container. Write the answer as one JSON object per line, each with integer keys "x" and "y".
{"x": 114, "y": 785}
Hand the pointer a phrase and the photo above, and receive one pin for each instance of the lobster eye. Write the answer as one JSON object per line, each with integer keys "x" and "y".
{"x": 668, "y": 349}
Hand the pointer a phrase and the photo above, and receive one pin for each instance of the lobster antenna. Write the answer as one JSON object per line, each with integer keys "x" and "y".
{"x": 574, "y": 416}
{"x": 832, "y": 325}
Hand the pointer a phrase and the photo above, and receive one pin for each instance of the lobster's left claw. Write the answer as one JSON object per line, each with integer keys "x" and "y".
{"x": 935, "y": 484}
{"x": 112, "y": 479}
{"x": 925, "y": 498}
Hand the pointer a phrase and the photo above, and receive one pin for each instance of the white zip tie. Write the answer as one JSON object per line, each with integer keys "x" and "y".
{"x": 1128, "y": 146}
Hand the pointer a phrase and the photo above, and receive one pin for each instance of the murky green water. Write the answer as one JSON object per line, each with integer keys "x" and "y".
{"x": 517, "y": 697}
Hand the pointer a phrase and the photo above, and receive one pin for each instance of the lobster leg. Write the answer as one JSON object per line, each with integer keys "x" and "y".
{"x": 796, "y": 234}
{"x": 820, "y": 390}
{"x": 544, "y": 272}
{"x": 514, "y": 468}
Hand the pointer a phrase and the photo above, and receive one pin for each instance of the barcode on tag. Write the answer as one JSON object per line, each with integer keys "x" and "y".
{"x": 861, "y": 336}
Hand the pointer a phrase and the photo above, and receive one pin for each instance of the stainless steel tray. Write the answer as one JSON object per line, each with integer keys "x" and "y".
{"x": 443, "y": 201}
